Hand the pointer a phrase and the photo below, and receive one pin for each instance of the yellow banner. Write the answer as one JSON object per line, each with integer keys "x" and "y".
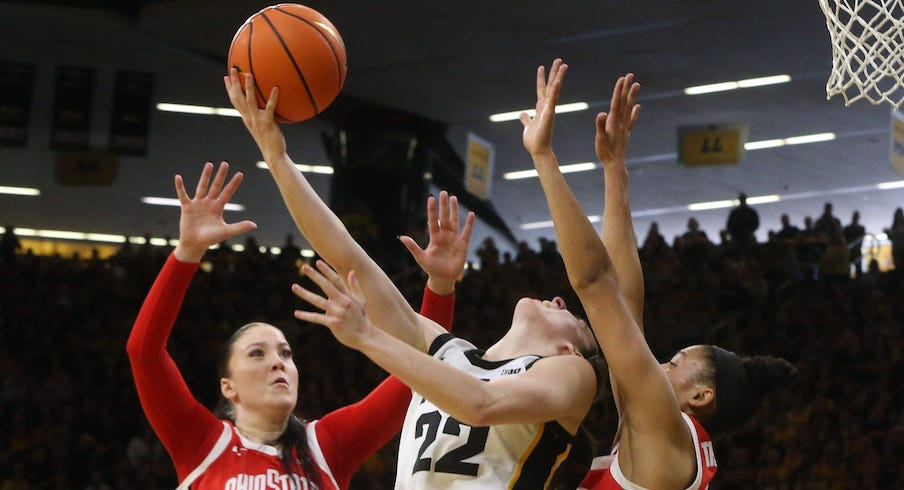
{"x": 479, "y": 167}
{"x": 897, "y": 141}
{"x": 711, "y": 145}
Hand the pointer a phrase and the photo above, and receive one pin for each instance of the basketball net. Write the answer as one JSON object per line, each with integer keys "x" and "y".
{"x": 867, "y": 50}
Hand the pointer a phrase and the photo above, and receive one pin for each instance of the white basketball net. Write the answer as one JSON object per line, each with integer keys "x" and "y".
{"x": 867, "y": 50}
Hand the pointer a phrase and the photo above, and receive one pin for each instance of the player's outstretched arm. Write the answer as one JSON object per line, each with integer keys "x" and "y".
{"x": 317, "y": 222}
{"x": 613, "y": 132}
{"x": 557, "y": 388}
{"x": 592, "y": 274}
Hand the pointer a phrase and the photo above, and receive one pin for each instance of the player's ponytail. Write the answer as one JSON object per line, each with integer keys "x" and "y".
{"x": 740, "y": 383}
{"x": 296, "y": 437}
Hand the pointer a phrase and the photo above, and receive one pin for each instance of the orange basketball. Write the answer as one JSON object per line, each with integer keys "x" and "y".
{"x": 297, "y": 49}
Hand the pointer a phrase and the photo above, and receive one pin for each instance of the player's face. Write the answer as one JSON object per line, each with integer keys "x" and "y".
{"x": 684, "y": 369}
{"x": 555, "y": 316}
{"x": 262, "y": 371}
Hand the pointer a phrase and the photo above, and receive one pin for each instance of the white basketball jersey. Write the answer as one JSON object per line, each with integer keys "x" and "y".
{"x": 437, "y": 451}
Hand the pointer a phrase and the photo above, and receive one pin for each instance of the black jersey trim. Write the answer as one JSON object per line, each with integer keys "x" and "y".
{"x": 438, "y": 342}
{"x": 551, "y": 448}
{"x": 475, "y": 357}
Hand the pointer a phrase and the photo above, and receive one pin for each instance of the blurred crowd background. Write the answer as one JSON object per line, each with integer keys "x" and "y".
{"x": 70, "y": 417}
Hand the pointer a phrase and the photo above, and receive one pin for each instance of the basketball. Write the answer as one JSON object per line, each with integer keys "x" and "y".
{"x": 297, "y": 49}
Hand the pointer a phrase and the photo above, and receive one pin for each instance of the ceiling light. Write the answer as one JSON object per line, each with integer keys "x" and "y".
{"x": 759, "y": 145}
{"x": 703, "y": 206}
{"x": 748, "y": 83}
{"x": 763, "y": 199}
{"x": 167, "y": 201}
{"x": 65, "y": 235}
{"x": 184, "y": 108}
{"x": 520, "y": 174}
{"x": 565, "y": 169}
{"x": 19, "y": 191}
{"x": 162, "y": 242}
{"x": 198, "y": 109}
{"x": 226, "y": 111}
{"x": 103, "y": 237}
{"x": 577, "y": 167}
{"x": 312, "y": 169}
{"x": 759, "y": 82}
{"x": 713, "y": 87}
{"x": 810, "y": 138}
{"x": 549, "y": 224}
{"x": 560, "y": 109}
{"x": 890, "y": 185}
{"x": 793, "y": 140}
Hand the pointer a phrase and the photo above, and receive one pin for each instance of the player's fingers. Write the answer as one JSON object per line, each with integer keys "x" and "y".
{"x": 355, "y": 287}
{"x": 204, "y": 181}
{"x": 231, "y": 187}
{"x": 245, "y": 226}
{"x": 413, "y": 248}
{"x": 454, "y": 219}
{"x": 180, "y": 190}
{"x": 314, "y": 275}
{"x": 216, "y": 187}
{"x": 311, "y": 317}
{"x": 432, "y": 216}
{"x": 250, "y": 90}
{"x": 469, "y": 227}
{"x": 331, "y": 275}
{"x": 556, "y": 75}
{"x": 443, "y": 209}
{"x": 634, "y": 114}
{"x": 617, "y": 92}
{"x": 309, "y": 296}
{"x": 541, "y": 82}
{"x": 274, "y": 98}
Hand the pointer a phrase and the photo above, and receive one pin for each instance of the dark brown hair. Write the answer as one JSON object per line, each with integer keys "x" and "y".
{"x": 740, "y": 383}
{"x": 295, "y": 437}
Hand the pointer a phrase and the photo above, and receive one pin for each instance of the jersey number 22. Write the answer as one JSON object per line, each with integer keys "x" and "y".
{"x": 453, "y": 461}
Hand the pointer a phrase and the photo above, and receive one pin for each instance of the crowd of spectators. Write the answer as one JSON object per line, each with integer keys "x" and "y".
{"x": 70, "y": 418}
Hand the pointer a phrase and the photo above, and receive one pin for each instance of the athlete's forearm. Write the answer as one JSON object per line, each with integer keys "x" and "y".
{"x": 461, "y": 395}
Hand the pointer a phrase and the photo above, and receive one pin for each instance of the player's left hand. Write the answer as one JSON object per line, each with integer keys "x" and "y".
{"x": 343, "y": 308}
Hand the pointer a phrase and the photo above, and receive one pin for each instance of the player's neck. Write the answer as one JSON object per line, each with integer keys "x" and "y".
{"x": 260, "y": 431}
{"x": 511, "y": 346}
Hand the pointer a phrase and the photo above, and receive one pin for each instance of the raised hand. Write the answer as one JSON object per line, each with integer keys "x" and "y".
{"x": 261, "y": 123}
{"x": 444, "y": 258}
{"x": 537, "y": 135}
{"x": 613, "y": 129}
{"x": 201, "y": 224}
{"x": 343, "y": 308}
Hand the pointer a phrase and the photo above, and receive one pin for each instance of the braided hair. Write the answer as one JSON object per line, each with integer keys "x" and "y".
{"x": 740, "y": 383}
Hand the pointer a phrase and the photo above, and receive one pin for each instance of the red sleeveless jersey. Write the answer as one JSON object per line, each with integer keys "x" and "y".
{"x": 605, "y": 473}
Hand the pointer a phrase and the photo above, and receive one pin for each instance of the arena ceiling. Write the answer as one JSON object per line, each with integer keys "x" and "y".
{"x": 456, "y": 63}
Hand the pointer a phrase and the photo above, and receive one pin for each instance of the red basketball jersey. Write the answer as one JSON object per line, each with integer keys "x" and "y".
{"x": 605, "y": 473}
{"x": 236, "y": 463}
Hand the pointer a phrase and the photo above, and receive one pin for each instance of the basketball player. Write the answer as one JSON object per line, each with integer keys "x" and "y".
{"x": 500, "y": 418}
{"x": 258, "y": 442}
{"x": 665, "y": 411}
